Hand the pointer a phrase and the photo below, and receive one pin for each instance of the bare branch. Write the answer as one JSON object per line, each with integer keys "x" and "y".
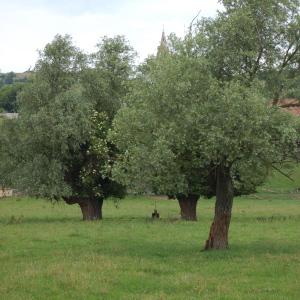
{"x": 191, "y": 24}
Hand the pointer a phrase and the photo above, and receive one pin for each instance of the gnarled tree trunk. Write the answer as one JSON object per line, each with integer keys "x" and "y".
{"x": 188, "y": 206}
{"x": 91, "y": 208}
{"x": 218, "y": 236}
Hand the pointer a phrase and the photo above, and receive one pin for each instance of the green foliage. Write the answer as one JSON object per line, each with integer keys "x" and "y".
{"x": 204, "y": 104}
{"x": 52, "y": 123}
{"x": 245, "y": 129}
{"x": 61, "y": 148}
{"x": 150, "y": 129}
{"x": 105, "y": 85}
{"x": 180, "y": 123}
{"x": 8, "y": 144}
{"x": 8, "y": 96}
{"x": 50, "y": 135}
{"x": 7, "y": 78}
{"x": 10, "y": 85}
{"x": 251, "y": 39}
{"x": 106, "y": 81}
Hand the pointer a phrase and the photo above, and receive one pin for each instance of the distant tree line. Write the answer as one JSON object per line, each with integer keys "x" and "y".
{"x": 10, "y": 85}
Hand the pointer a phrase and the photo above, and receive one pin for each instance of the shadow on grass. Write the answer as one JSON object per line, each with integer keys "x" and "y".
{"x": 144, "y": 219}
{"x": 245, "y": 219}
{"x": 36, "y": 220}
{"x": 20, "y": 219}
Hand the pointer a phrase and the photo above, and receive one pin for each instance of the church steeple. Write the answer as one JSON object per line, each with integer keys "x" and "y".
{"x": 163, "y": 46}
{"x": 163, "y": 40}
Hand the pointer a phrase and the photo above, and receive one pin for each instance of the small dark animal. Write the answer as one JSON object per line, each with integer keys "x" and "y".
{"x": 155, "y": 214}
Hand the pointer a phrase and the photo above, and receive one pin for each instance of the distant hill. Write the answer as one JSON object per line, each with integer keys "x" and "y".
{"x": 11, "y": 77}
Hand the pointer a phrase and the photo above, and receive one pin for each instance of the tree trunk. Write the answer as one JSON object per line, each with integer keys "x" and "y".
{"x": 91, "y": 208}
{"x": 218, "y": 236}
{"x": 188, "y": 207}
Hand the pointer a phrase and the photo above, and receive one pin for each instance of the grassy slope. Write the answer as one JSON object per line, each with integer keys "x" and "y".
{"x": 278, "y": 183}
{"x": 46, "y": 252}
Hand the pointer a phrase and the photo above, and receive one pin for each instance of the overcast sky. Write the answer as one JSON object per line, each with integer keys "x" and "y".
{"x": 28, "y": 25}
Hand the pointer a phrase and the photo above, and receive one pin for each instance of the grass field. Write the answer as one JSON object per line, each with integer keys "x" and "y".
{"x": 47, "y": 252}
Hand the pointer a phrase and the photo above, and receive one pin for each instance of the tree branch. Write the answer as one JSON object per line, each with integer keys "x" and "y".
{"x": 191, "y": 24}
{"x": 289, "y": 56}
{"x": 282, "y": 173}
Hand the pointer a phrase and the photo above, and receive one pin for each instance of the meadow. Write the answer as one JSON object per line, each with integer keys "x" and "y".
{"x": 47, "y": 252}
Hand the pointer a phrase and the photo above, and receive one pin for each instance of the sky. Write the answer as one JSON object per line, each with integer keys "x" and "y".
{"x": 28, "y": 25}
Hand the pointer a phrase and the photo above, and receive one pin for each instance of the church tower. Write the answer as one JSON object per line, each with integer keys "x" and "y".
{"x": 163, "y": 46}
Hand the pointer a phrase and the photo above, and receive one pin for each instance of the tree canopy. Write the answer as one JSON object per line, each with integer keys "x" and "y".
{"x": 251, "y": 39}
{"x": 199, "y": 120}
{"x": 61, "y": 148}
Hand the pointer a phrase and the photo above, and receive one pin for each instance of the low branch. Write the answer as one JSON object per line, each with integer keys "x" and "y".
{"x": 289, "y": 56}
{"x": 72, "y": 200}
{"x": 284, "y": 174}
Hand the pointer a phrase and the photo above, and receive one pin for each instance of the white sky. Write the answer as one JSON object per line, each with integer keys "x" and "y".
{"x": 28, "y": 25}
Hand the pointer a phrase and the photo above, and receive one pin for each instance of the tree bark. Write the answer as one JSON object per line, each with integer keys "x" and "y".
{"x": 188, "y": 207}
{"x": 218, "y": 236}
{"x": 91, "y": 208}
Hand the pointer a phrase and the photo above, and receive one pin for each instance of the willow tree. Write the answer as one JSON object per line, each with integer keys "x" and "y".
{"x": 63, "y": 122}
{"x": 243, "y": 140}
{"x": 158, "y": 148}
{"x": 186, "y": 132}
{"x": 249, "y": 42}
{"x": 251, "y": 39}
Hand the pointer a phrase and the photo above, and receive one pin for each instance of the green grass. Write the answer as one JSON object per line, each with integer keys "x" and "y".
{"x": 278, "y": 183}
{"x": 47, "y": 252}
